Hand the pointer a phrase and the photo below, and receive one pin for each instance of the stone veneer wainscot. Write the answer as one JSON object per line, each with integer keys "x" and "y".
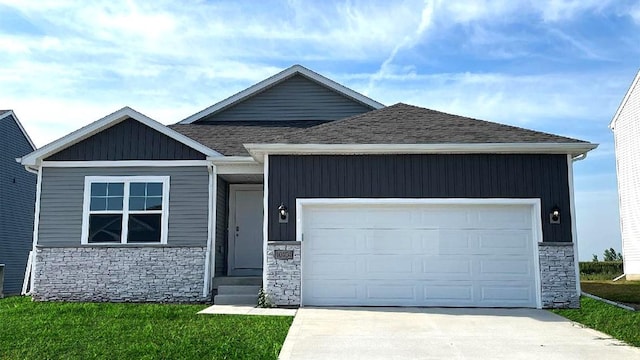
{"x": 120, "y": 274}
{"x": 558, "y": 275}
{"x": 282, "y": 283}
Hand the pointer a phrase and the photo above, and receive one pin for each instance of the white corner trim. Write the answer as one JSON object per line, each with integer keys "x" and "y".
{"x": 634, "y": 84}
{"x": 17, "y": 121}
{"x": 95, "y": 127}
{"x": 265, "y": 220}
{"x": 125, "y": 163}
{"x": 275, "y": 79}
{"x": 127, "y": 180}
{"x": 259, "y": 150}
{"x": 36, "y": 225}
{"x": 210, "y": 259}
{"x": 538, "y": 237}
{"x": 574, "y": 228}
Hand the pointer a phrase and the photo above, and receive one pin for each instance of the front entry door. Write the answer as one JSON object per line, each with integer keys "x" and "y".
{"x": 245, "y": 230}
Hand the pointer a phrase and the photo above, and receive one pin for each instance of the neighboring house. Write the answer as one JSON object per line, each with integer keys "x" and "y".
{"x": 363, "y": 205}
{"x": 17, "y": 199}
{"x": 626, "y": 133}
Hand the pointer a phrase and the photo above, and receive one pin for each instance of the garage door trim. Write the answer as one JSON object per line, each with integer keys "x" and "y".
{"x": 536, "y": 221}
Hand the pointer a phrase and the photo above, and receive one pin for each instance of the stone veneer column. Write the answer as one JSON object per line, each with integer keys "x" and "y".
{"x": 120, "y": 274}
{"x": 558, "y": 275}
{"x": 283, "y": 276}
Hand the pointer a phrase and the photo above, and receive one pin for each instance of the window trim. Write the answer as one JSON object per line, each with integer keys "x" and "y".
{"x": 126, "y": 180}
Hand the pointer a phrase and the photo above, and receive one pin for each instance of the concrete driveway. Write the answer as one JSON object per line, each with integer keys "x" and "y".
{"x": 436, "y": 333}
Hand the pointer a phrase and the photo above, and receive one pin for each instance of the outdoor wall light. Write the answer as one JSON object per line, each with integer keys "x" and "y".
{"x": 554, "y": 216}
{"x": 283, "y": 213}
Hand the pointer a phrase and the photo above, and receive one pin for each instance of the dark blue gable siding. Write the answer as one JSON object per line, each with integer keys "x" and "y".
{"x": 296, "y": 98}
{"x": 420, "y": 176}
{"x": 128, "y": 140}
{"x": 17, "y": 199}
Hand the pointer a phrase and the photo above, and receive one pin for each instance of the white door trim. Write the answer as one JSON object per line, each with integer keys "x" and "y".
{"x": 233, "y": 188}
{"x": 535, "y": 218}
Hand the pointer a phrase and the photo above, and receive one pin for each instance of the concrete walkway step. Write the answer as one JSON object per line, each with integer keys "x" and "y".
{"x": 237, "y": 280}
{"x": 238, "y": 290}
{"x": 235, "y": 299}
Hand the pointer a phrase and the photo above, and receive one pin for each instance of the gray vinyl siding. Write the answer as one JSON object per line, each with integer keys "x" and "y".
{"x": 420, "y": 176}
{"x": 296, "y": 98}
{"x": 127, "y": 140}
{"x": 17, "y": 199}
{"x": 63, "y": 192}
{"x": 222, "y": 221}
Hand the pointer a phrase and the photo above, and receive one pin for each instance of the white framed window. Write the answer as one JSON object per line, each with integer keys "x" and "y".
{"x": 125, "y": 210}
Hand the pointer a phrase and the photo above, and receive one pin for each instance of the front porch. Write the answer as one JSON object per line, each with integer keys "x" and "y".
{"x": 238, "y": 247}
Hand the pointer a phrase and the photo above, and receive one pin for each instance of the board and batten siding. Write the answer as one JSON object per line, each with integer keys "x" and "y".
{"x": 296, "y": 98}
{"x": 627, "y": 146}
{"x": 127, "y": 140}
{"x": 420, "y": 176}
{"x": 17, "y": 201}
{"x": 62, "y": 196}
{"x": 222, "y": 220}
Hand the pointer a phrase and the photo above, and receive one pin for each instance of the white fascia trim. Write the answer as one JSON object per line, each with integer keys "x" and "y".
{"x": 536, "y": 220}
{"x": 228, "y": 165}
{"x": 24, "y": 132}
{"x": 634, "y": 84}
{"x": 95, "y": 127}
{"x": 258, "y": 150}
{"x": 125, "y": 163}
{"x": 275, "y": 79}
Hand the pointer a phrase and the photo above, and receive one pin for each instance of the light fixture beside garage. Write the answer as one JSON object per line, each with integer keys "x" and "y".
{"x": 283, "y": 213}
{"x": 554, "y": 216}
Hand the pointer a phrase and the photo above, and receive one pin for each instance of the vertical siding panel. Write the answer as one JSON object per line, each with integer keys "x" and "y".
{"x": 430, "y": 176}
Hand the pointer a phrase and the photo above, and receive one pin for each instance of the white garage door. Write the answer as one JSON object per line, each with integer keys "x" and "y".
{"x": 479, "y": 255}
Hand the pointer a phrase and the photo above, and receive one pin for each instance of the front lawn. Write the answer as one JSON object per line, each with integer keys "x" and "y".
{"x": 620, "y": 323}
{"x": 623, "y": 291}
{"x": 39, "y": 330}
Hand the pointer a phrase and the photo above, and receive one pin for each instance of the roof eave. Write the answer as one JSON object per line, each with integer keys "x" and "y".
{"x": 275, "y": 79}
{"x": 626, "y": 97}
{"x": 258, "y": 151}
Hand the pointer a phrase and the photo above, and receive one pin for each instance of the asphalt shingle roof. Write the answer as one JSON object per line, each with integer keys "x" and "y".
{"x": 228, "y": 137}
{"x": 408, "y": 124}
{"x": 396, "y": 124}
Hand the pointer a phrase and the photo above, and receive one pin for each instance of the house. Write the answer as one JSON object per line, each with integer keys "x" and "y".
{"x": 626, "y": 131}
{"x": 17, "y": 199}
{"x": 315, "y": 192}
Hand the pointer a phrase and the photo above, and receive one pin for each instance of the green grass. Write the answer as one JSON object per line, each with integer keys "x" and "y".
{"x": 47, "y": 330}
{"x": 620, "y": 323}
{"x": 621, "y": 291}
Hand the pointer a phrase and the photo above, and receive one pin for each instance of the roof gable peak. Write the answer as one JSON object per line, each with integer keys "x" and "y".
{"x": 277, "y": 79}
{"x": 634, "y": 87}
{"x": 4, "y": 114}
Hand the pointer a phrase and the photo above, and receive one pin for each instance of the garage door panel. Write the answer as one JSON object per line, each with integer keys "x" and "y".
{"x": 391, "y": 292}
{"x": 333, "y": 241}
{"x": 449, "y": 293}
{"x": 385, "y": 264}
{"x": 504, "y": 293}
{"x": 435, "y": 265}
{"x": 331, "y": 267}
{"x": 427, "y": 255}
{"x": 512, "y": 268}
{"x": 495, "y": 240}
{"x": 503, "y": 217}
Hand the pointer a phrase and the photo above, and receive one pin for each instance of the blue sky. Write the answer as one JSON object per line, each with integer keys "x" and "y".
{"x": 555, "y": 66}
